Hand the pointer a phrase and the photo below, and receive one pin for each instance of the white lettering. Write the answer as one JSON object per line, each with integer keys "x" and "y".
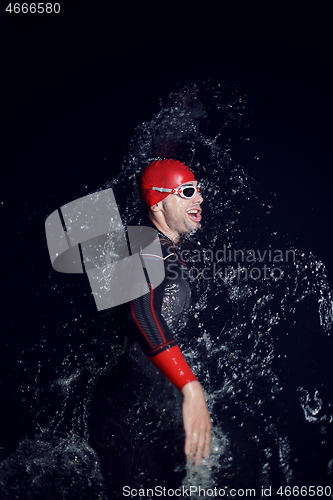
{"x": 279, "y": 256}
{"x": 262, "y": 256}
{"x": 126, "y": 491}
{"x": 251, "y": 256}
{"x": 176, "y": 275}
{"x": 158, "y": 491}
{"x": 223, "y": 258}
{"x": 293, "y": 253}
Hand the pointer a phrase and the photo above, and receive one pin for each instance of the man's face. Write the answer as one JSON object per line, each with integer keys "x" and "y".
{"x": 182, "y": 215}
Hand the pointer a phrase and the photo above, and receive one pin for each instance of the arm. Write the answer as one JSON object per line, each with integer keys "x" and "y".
{"x": 156, "y": 340}
{"x": 158, "y": 344}
{"x": 197, "y": 423}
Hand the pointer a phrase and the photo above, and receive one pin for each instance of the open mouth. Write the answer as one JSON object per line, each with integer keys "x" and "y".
{"x": 194, "y": 214}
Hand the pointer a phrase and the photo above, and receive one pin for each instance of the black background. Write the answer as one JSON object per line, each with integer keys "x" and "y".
{"x": 75, "y": 85}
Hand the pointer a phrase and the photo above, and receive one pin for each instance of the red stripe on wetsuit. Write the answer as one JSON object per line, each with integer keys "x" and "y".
{"x": 156, "y": 338}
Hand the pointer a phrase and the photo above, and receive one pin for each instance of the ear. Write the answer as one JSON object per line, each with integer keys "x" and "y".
{"x": 157, "y": 207}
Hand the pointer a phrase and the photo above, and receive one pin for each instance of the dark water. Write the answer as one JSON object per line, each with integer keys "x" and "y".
{"x": 99, "y": 416}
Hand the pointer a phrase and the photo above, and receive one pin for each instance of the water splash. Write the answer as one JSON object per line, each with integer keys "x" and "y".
{"x": 56, "y": 466}
{"x": 249, "y": 339}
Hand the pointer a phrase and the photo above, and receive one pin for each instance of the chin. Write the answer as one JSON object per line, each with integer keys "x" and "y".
{"x": 194, "y": 229}
{"x": 197, "y": 225}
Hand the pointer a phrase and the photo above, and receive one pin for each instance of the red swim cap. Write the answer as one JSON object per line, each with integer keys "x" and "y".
{"x": 163, "y": 174}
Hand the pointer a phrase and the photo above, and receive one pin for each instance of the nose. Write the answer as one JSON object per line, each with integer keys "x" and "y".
{"x": 198, "y": 198}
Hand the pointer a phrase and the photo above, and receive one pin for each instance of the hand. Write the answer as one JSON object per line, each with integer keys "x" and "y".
{"x": 197, "y": 423}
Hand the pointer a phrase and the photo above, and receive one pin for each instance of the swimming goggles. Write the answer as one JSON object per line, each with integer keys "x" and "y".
{"x": 186, "y": 192}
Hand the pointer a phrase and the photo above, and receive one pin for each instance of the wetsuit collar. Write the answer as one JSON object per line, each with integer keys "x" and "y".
{"x": 149, "y": 223}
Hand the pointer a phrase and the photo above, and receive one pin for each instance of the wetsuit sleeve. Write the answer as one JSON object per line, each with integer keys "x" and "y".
{"x": 155, "y": 337}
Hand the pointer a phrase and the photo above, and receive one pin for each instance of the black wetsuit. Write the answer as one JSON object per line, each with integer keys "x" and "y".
{"x": 157, "y": 315}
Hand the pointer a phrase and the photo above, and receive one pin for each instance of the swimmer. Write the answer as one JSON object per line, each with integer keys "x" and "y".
{"x": 173, "y": 199}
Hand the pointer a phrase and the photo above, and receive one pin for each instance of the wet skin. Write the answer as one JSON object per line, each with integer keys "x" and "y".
{"x": 176, "y": 215}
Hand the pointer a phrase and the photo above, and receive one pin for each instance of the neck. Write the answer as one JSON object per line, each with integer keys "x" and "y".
{"x": 163, "y": 227}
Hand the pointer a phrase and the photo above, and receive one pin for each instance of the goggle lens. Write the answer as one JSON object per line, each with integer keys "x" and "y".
{"x": 188, "y": 191}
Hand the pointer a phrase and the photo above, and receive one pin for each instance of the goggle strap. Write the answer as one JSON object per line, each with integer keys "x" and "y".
{"x": 178, "y": 190}
{"x": 162, "y": 190}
